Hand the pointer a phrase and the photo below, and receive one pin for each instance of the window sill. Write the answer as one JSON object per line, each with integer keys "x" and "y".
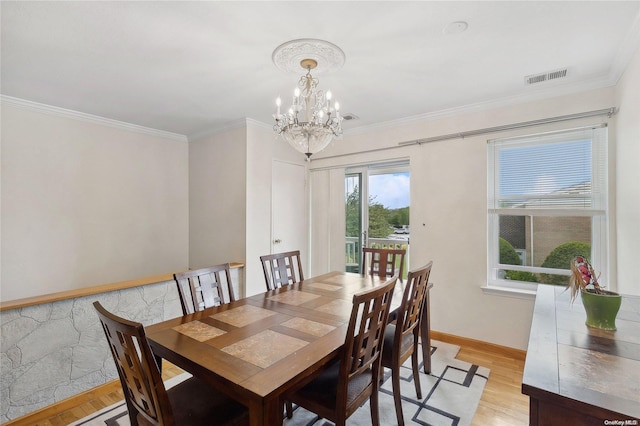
{"x": 517, "y": 293}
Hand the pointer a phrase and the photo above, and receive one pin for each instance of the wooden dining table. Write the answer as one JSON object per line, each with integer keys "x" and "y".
{"x": 259, "y": 348}
{"x": 579, "y": 375}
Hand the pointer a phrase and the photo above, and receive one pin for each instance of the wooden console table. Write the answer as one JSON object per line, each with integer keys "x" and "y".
{"x": 574, "y": 374}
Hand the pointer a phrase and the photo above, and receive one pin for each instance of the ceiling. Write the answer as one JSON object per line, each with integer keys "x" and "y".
{"x": 194, "y": 67}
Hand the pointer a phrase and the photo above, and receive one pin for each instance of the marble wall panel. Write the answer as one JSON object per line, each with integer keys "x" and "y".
{"x": 52, "y": 351}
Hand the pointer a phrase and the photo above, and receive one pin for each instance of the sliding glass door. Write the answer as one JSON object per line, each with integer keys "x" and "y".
{"x": 377, "y": 210}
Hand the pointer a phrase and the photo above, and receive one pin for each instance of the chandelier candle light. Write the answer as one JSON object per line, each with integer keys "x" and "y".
{"x": 312, "y": 121}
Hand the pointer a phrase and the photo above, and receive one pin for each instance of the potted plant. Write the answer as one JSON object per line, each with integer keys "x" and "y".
{"x": 600, "y": 305}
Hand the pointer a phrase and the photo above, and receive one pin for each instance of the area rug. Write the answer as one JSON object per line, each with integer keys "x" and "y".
{"x": 450, "y": 396}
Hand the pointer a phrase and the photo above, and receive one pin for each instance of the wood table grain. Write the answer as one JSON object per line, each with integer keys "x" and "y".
{"x": 575, "y": 374}
{"x": 256, "y": 349}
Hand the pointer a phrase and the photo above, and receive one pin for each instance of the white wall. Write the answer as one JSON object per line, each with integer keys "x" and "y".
{"x": 217, "y": 198}
{"x": 84, "y": 203}
{"x": 449, "y": 208}
{"x": 627, "y": 175}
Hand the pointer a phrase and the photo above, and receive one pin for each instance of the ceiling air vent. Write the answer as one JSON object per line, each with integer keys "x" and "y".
{"x": 349, "y": 116}
{"x": 547, "y": 76}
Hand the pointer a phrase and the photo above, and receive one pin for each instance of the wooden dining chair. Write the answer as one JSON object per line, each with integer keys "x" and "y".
{"x": 338, "y": 391}
{"x": 203, "y": 288}
{"x": 191, "y": 402}
{"x": 383, "y": 262}
{"x": 401, "y": 337}
{"x": 282, "y": 269}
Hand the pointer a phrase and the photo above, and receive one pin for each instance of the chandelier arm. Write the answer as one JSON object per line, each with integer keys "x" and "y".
{"x": 328, "y": 122}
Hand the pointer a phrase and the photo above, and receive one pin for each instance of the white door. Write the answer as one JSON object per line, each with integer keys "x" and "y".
{"x": 288, "y": 209}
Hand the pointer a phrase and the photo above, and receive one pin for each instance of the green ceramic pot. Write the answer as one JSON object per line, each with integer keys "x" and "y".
{"x": 601, "y": 309}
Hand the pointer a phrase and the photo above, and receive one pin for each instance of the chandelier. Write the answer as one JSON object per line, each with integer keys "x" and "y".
{"x": 313, "y": 120}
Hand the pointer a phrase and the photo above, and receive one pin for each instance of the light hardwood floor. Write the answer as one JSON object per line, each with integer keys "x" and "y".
{"x": 502, "y": 402}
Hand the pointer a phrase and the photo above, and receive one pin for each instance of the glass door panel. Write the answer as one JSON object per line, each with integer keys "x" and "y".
{"x": 354, "y": 220}
{"x": 377, "y": 211}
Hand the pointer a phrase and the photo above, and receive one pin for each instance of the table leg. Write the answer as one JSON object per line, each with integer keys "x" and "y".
{"x": 266, "y": 412}
{"x": 256, "y": 414}
{"x": 158, "y": 362}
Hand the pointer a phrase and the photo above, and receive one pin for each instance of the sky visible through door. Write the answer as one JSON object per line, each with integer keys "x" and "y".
{"x": 390, "y": 189}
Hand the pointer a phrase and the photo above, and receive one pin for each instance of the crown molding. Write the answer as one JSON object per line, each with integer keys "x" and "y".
{"x": 626, "y": 51}
{"x": 550, "y": 92}
{"x": 259, "y": 124}
{"x": 232, "y": 125}
{"x": 546, "y": 93}
{"x": 89, "y": 118}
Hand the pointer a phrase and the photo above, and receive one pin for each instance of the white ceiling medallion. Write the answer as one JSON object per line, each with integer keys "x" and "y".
{"x": 456, "y": 27}
{"x": 288, "y": 56}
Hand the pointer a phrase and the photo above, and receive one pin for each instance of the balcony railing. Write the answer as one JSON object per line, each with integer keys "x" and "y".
{"x": 353, "y": 251}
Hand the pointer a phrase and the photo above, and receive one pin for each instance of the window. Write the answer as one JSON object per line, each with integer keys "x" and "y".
{"x": 547, "y": 201}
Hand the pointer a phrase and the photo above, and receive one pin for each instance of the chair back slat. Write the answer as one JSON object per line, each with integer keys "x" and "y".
{"x": 383, "y": 262}
{"x": 204, "y": 288}
{"x": 282, "y": 269}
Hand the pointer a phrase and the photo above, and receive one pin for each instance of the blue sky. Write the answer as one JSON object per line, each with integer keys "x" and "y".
{"x": 390, "y": 190}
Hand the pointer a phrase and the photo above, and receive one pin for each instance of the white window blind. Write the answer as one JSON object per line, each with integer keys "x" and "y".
{"x": 544, "y": 173}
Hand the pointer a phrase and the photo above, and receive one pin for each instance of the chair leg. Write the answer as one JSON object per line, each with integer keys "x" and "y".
{"x": 289, "y": 408}
{"x": 416, "y": 372}
{"x": 373, "y": 404}
{"x": 395, "y": 380}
